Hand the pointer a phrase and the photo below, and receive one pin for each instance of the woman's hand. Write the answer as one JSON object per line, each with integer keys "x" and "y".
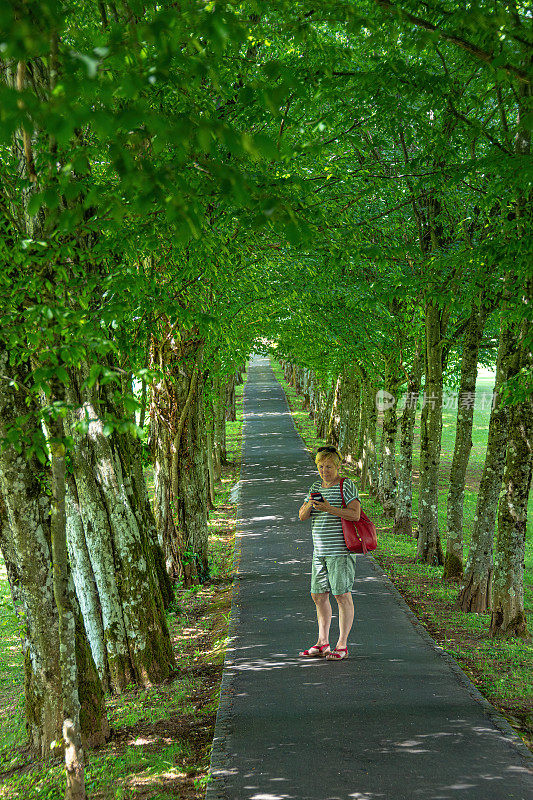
{"x": 325, "y": 506}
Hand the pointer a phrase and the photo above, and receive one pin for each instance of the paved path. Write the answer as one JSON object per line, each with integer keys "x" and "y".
{"x": 398, "y": 720}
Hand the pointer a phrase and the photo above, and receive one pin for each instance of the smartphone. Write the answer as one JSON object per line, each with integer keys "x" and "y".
{"x": 317, "y": 496}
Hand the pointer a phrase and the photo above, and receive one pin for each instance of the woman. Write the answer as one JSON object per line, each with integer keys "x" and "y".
{"x": 333, "y": 566}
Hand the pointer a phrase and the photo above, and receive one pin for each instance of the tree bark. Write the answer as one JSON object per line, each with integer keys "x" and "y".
{"x": 120, "y": 548}
{"x": 332, "y": 435}
{"x": 476, "y": 594}
{"x": 85, "y": 583}
{"x": 403, "y": 524}
{"x": 29, "y": 543}
{"x": 388, "y": 483}
{"x": 211, "y": 474}
{"x": 350, "y": 416}
{"x": 508, "y": 618}
{"x": 453, "y": 563}
{"x": 219, "y": 395}
{"x": 324, "y": 412}
{"x": 231, "y": 407}
{"x": 180, "y": 456}
{"x": 65, "y": 602}
{"x": 369, "y": 471}
{"x": 429, "y": 548}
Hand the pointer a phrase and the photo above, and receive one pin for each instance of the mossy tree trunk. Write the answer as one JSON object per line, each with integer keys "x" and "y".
{"x": 350, "y": 416}
{"x": 179, "y": 449}
{"x": 403, "y": 523}
{"x": 453, "y": 563}
{"x": 332, "y": 433}
{"x": 369, "y": 418}
{"x": 388, "y": 483}
{"x": 210, "y": 457}
{"x": 119, "y": 553}
{"x": 219, "y": 425}
{"x": 476, "y": 594}
{"x": 508, "y": 618}
{"x": 231, "y": 406}
{"x": 429, "y": 548}
{"x": 306, "y": 383}
{"x": 324, "y": 412}
{"x": 27, "y": 538}
{"x": 66, "y": 609}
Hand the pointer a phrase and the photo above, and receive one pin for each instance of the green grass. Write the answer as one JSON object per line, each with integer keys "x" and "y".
{"x": 501, "y": 669}
{"x": 162, "y": 736}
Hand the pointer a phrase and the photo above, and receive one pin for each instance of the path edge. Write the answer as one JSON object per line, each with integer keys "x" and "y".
{"x": 498, "y": 720}
{"x": 216, "y": 776}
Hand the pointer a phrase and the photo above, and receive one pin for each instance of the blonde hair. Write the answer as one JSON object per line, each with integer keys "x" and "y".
{"x": 332, "y": 453}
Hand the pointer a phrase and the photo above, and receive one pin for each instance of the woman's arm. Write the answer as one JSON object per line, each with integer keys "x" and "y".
{"x": 351, "y": 512}
{"x": 305, "y": 510}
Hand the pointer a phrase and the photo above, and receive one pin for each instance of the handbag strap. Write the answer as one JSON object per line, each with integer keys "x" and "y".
{"x": 342, "y": 493}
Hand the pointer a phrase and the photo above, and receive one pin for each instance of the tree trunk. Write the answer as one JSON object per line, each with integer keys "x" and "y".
{"x": 306, "y": 380}
{"x": 29, "y": 536}
{"x": 429, "y": 549}
{"x": 404, "y": 499}
{"x": 65, "y": 602}
{"x": 231, "y": 407}
{"x": 508, "y": 617}
{"x": 476, "y": 594}
{"x": 180, "y": 456}
{"x": 350, "y": 416}
{"x": 369, "y": 471}
{"x": 219, "y": 410}
{"x": 453, "y": 564}
{"x": 211, "y": 475}
{"x": 324, "y": 413}
{"x": 120, "y": 550}
{"x": 379, "y": 451}
{"x": 135, "y": 484}
{"x": 332, "y": 436}
{"x": 189, "y": 468}
{"x": 85, "y": 583}
{"x": 388, "y": 485}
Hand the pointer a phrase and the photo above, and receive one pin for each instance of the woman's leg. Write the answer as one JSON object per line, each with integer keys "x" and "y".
{"x": 346, "y": 614}
{"x": 323, "y": 613}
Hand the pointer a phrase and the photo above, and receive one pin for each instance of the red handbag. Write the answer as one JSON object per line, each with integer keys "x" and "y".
{"x": 360, "y": 536}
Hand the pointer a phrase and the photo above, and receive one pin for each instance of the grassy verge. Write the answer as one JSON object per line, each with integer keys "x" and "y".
{"x": 501, "y": 669}
{"x": 162, "y": 736}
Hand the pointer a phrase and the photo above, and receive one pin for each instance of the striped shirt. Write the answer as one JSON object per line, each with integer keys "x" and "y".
{"x": 328, "y": 538}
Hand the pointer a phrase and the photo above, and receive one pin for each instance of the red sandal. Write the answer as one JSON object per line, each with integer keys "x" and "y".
{"x": 338, "y": 654}
{"x": 321, "y": 650}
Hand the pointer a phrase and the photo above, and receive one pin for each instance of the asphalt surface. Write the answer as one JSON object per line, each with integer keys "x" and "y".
{"x": 396, "y": 720}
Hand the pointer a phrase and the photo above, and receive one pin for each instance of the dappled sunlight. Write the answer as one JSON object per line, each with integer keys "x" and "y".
{"x": 142, "y": 781}
{"x": 283, "y": 661}
{"x": 141, "y": 741}
{"x": 266, "y": 415}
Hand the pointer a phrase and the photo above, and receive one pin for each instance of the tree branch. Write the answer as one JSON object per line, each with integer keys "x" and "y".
{"x": 454, "y": 38}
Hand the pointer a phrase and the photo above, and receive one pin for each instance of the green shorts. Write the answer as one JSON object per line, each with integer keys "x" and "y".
{"x": 332, "y": 573}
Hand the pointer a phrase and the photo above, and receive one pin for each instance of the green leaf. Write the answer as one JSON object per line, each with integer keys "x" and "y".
{"x": 94, "y": 373}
